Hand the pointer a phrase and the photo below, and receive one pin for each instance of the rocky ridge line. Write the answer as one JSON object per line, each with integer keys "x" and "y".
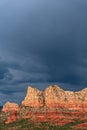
{"x": 52, "y": 97}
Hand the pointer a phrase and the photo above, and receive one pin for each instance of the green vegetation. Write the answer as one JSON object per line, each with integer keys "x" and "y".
{"x": 28, "y": 125}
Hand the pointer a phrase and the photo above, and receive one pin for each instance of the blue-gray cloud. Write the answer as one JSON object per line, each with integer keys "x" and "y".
{"x": 43, "y": 42}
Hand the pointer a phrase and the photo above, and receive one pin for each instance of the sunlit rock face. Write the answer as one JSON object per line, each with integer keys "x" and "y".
{"x": 34, "y": 98}
{"x": 9, "y": 106}
{"x": 52, "y": 97}
{"x": 42, "y": 105}
{"x": 56, "y": 97}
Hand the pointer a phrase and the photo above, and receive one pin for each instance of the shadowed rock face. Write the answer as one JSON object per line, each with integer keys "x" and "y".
{"x": 55, "y": 97}
{"x": 11, "y": 118}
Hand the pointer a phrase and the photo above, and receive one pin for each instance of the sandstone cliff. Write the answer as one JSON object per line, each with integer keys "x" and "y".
{"x": 51, "y": 99}
{"x": 34, "y": 98}
{"x": 56, "y": 97}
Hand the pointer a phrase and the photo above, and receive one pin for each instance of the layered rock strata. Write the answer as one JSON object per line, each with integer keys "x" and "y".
{"x": 56, "y": 97}
{"x": 52, "y": 97}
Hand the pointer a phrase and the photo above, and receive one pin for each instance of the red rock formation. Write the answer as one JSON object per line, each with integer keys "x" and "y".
{"x": 34, "y": 98}
{"x": 58, "y": 98}
{"x": 51, "y": 100}
{"x": 12, "y": 117}
{"x": 52, "y": 97}
{"x": 50, "y": 117}
{"x": 8, "y": 107}
{"x": 55, "y": 97}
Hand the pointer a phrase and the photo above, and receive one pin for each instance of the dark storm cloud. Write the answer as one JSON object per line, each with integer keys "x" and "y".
{"x": 5, "y": 74}
{"x": 3, "y": 70}
{"x": 43, "y": 42}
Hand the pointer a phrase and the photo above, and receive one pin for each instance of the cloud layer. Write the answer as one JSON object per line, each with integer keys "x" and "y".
{"x": 41, "y": 43}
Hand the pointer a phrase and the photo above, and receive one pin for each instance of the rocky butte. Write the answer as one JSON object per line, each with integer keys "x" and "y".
{"x": 9, "y": 107}
{"x": 34, "y": 98}
{"x": 52, "y": 99}
{"x": 56, "y": 97}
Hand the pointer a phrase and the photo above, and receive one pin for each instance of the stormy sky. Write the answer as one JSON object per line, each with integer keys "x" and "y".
{"x": 42, "y": 42}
